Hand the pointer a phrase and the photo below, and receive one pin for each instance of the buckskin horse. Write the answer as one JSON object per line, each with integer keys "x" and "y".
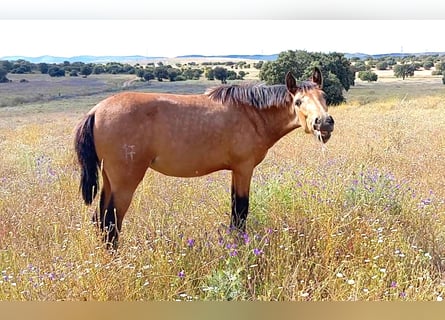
{"x": 230, "y": 127}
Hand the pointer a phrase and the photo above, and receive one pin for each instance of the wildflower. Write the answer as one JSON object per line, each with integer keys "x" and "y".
{"x": 425, "y": 202}
{"x": 257, "y": 251}
{"x": 351, "y": 281}
{"x": 246, "y": 238}
{"x": 190, "y": 243}
{"x": 393, "y": 284}
{"x": 231, "y": 246}
{"x": 233, "y": 253}
{"x": 181, "y": 274}
{"x": 339, "y": 275}
{"x": 439, "y": 298}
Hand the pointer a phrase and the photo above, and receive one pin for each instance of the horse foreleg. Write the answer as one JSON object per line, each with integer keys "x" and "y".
{"x": 240, "y": 198}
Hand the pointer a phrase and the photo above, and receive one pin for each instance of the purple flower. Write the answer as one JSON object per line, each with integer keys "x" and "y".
{"x": 181, "y": 274}
{"x": 233, "y": 253}
{"x": 257, "y": 251}
{"x": 231, "y": 246}
{"x": 246, "y": 238}
{"x": 393, "y": 284}
{"x": 191, "y": 243}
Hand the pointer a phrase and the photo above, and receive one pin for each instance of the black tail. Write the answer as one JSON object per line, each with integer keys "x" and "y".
{"x": 87, "y": 157}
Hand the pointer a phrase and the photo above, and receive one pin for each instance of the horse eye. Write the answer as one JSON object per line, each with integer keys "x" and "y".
{"x": 298, "y": 102}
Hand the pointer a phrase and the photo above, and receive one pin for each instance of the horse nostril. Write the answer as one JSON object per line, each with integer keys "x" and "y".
{"x": 330, "y": 120}
{"x": 317, "y": 124}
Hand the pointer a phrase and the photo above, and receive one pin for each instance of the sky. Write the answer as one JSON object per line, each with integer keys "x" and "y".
{"x": 172, "y": 37}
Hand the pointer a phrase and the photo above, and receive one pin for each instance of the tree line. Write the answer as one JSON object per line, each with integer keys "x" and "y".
{"x": 159, "y": 71}
{"x": 339, "y": 72}
{"x": 402, "y": 67}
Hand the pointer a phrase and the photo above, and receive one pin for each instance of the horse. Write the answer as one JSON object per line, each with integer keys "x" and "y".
{"x": 229, "y": 127}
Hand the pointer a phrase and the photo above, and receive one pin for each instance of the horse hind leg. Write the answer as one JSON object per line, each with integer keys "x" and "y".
{"x": 105, "y": 215}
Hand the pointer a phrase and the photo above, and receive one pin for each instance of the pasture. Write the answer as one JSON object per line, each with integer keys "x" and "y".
{"x": 362, "y": 219}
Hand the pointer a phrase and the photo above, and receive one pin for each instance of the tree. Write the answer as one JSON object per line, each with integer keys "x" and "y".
{"x": 428, "y": 64}
{"x": 56, "y": 71}
{"x": 337, "y": 64}
{"x": 360, "y": 66}
{"x": 21, "y": 66}
{"x": 258, "y": 65}
{"x": 404, "y": 70}
{"x": 367, "y": 76}
{"x": 192, "y": 74}
{"x": 301, "y": 64}
{"x": 231, "y": 75}
{"x": 6, "y": 65}
{"x": 333, "y": 89}
{"x": 382, "y": 65}
{"x": 439, "y": 67}
{"x": 43, "y": 67}
{"x": 3, "y": 73}
{"x": 242, "y": 74}
{"x": 274, "y": 72}
{"x": 172, "y": 73}
{"x": 98, "y": 69}
{"x": 160, "y": 72}
{"x": 86, "y": 70}
{"x": 220, "y": 74}
{"x": 140, "y": 73}
{"x": 209, "y": 74}
{"x": 148, "y": 74}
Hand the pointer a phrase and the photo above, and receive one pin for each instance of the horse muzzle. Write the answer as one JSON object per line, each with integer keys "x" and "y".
{"x": 323, "y": 128}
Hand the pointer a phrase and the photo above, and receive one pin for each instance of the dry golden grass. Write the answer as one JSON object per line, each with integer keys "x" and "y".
{"x": 362, "y": 220}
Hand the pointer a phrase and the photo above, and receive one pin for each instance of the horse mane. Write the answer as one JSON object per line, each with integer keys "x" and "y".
{"x": 260, "y": 96}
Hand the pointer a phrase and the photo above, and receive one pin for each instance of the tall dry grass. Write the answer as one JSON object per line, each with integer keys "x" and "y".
{"x": 361, "y": 220}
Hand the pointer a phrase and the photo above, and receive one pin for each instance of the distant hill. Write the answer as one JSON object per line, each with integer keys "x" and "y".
{"x": 268, "y": 57}
{"x": 84, "y": 59}
{"x": 144, "y": 59}
{"x": 394, "y": 54}
{"x": 131, "y": 59}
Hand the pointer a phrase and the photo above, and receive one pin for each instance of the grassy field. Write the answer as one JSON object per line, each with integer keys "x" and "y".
{"x": 362, "y": 219}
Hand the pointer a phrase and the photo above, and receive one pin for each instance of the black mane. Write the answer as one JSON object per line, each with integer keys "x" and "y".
{"x": 257, "y": 95}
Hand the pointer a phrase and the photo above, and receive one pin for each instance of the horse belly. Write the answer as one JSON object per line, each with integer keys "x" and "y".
{"x": 188, "y": 164}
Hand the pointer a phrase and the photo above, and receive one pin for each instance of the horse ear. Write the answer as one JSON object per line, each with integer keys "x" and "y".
{"x": 291, "y": 83}
{"x": 317, "y": 77}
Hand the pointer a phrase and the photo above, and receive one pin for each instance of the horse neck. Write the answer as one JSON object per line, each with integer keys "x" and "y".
{"x": 278, "y": 122}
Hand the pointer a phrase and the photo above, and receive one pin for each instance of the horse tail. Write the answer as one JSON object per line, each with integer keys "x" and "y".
{"x": 87, "y": 157}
